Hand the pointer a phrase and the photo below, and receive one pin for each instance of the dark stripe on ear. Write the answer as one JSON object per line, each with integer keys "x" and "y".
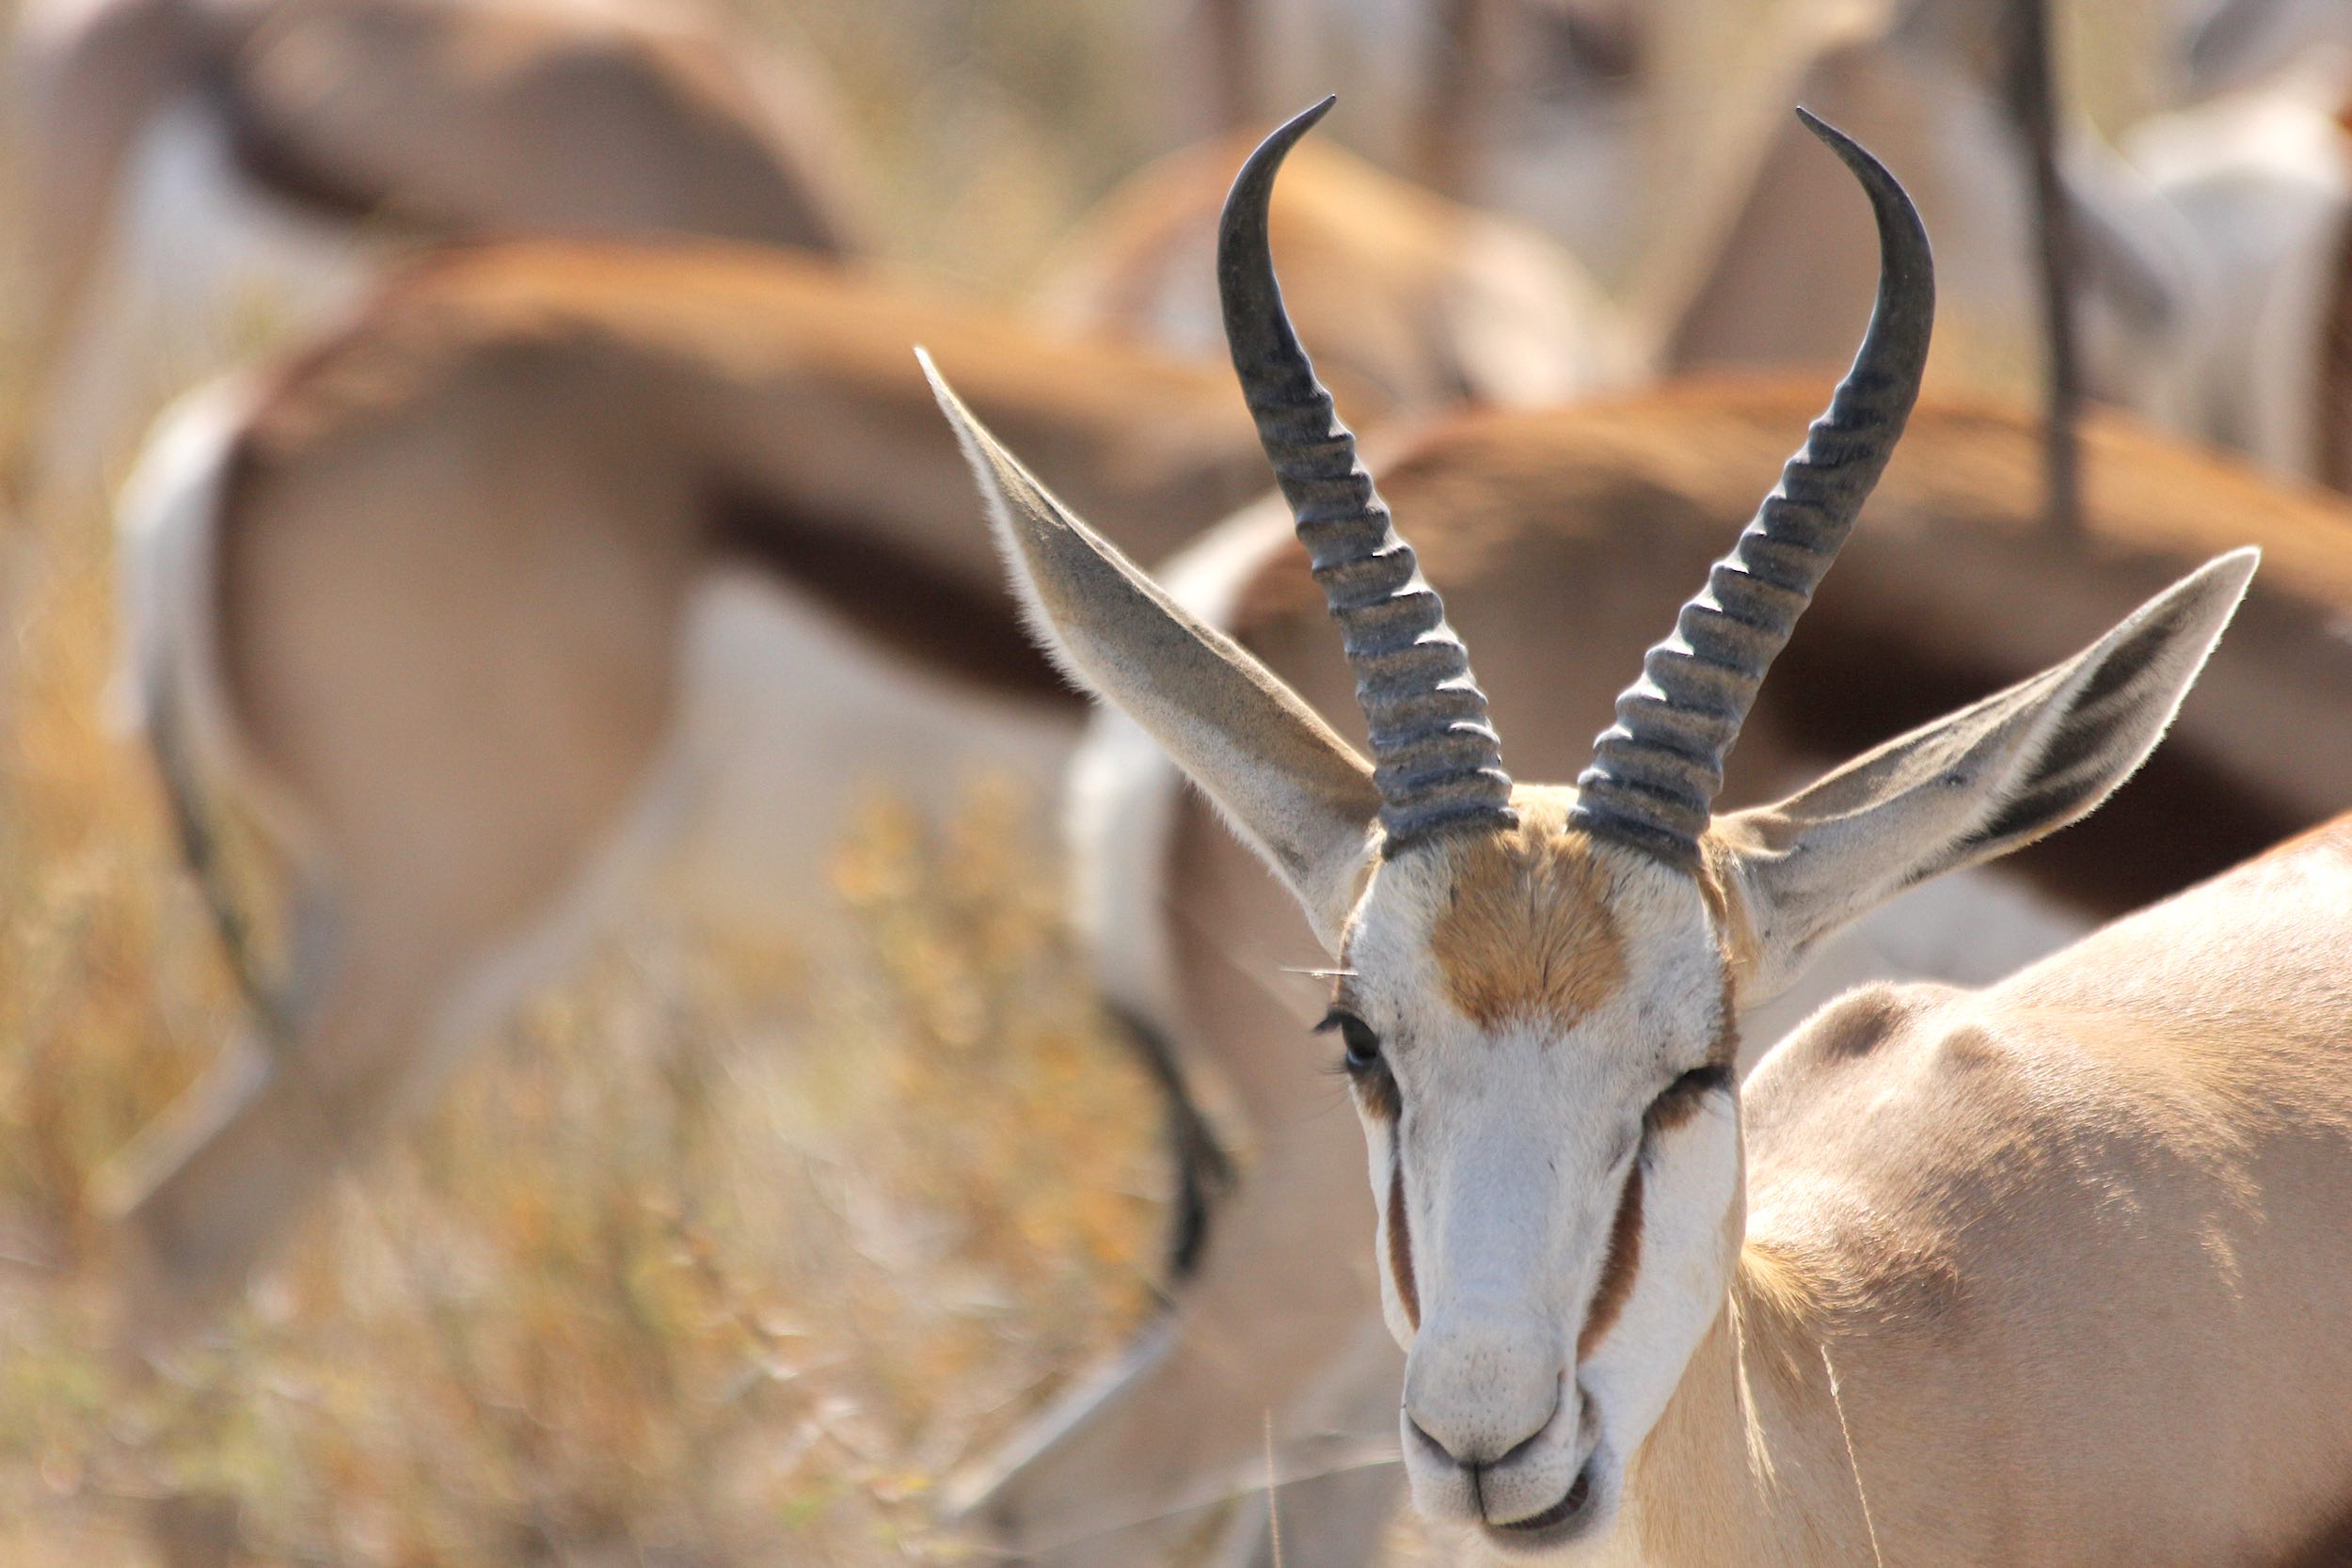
{"x": 2210, "y": 808}
{"x": 1618, "y": 1270}
{"x": 2065, "y": 774}
{"x": 2054, "y": 792}
{"x": 1401, "y": 1244}
{"x": 2130, "y": 661}
{"x": 2064, "y": 778}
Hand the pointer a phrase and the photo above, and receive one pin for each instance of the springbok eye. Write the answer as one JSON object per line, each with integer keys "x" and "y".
{"x": 1680, "y": 1098}
{"x": 1362, "y": 1046}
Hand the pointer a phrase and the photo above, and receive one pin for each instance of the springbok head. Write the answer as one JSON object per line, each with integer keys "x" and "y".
{"x": 1538, "y": 985}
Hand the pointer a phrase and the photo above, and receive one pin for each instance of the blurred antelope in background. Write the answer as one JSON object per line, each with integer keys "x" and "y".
{"x": 1736, "y": 277}
{"x": 561, "y": 563}
{"x": 2262, "y": 179}
{"x": 1904, "y": 1313}
{"x": 183, "y": 158}
{"x": 1652, "y": 141}
{"x": 1601, "y": 515}
{"x": 2226, "y": 46}
{"x": 1427, "y": 302}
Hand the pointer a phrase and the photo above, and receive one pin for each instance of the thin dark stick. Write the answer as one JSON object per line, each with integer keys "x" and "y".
{"x": 2034, "y": 107}
{"x": 1445, "y": 138}
{"x": 1231, "y": 57}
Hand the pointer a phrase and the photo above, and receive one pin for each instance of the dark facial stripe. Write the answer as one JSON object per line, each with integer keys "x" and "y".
{"x": 1618, "y": 1269}
{"x": 1400, "y": 1246}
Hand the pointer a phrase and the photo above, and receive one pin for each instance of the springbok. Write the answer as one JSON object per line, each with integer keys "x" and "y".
{"x": 2262, "y": 179}
{"x": 2227, "y": 45}
{"x": 178, "y": 150}
{"x": 1646, "y": 931}
{"x": 559, "y": 554}
{"x": 1443, "y": 63}
{"x": 1425, "y": 302}
{"x": 1738, "y": 277}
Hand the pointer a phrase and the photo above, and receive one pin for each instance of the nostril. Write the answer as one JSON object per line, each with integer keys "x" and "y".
{"x": 1478, "y": 1453}
{"x": 1436, "y": 1449}
{"x": 1541, "y": 1427}
{"x": 1480, "y": 1388}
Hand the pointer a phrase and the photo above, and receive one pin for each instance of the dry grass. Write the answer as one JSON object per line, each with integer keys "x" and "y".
{"x": 696, "y": 1265}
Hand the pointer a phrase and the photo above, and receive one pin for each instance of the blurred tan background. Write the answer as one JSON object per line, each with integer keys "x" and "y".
{"x": 657, "y": 1283}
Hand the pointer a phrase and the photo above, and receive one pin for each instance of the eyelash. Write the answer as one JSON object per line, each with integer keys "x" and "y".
{"x": 1362, "y": 1047}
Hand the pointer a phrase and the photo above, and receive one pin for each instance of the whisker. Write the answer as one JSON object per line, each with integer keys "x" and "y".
{"x": 1350, "y": 1456}
{"x": 1837, "y": 1402}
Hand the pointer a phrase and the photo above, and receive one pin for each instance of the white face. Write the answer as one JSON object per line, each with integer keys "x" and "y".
{"x": 1535, "y": 1028}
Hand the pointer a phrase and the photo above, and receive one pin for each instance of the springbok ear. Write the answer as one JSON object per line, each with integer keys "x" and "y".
{"x": 1971, "y": 786}
{"x": 1294, "y": 790}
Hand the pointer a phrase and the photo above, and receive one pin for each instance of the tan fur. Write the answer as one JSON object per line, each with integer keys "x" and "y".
{"x": 2153, "y": 1122}
{"x": 1528, "y": 934}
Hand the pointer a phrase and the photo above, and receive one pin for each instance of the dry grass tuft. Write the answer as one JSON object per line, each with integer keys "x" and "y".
{"x": 697, "y": 1266}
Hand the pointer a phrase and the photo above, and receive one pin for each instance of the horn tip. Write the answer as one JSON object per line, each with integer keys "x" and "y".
{"x": 1835, "y": 140}
{"x": 1279, "y": 141}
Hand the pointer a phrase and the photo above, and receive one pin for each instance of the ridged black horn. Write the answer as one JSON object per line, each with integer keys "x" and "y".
{"x": 1656, "y": 771}
{"x": 1436, "y": 758}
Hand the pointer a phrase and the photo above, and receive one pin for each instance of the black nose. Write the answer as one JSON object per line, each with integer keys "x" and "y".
{"x": 1484, "y": 1450}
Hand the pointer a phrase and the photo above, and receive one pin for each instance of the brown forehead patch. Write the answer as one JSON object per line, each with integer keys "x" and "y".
{"x": 1527, "y": 931}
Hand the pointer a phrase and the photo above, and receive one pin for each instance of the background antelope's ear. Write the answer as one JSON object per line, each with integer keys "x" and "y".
{"x": 1974, "y": 785}
{"x": 1293, "y": 789}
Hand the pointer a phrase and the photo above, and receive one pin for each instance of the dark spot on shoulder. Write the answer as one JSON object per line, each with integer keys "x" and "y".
{"x": 1862, "y": 1021}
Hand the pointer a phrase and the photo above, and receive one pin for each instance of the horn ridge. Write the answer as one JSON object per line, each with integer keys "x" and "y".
{"x": 1657, "y": 770}
{"x": 1437, "y": 760}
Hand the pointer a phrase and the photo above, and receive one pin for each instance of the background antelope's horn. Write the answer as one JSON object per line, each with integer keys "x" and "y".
{"x": 1436, "y": 757}
{"x": 1656, "y": 771}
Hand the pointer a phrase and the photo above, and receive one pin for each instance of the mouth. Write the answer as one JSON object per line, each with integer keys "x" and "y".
{"x": 1563, "y": 1522}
